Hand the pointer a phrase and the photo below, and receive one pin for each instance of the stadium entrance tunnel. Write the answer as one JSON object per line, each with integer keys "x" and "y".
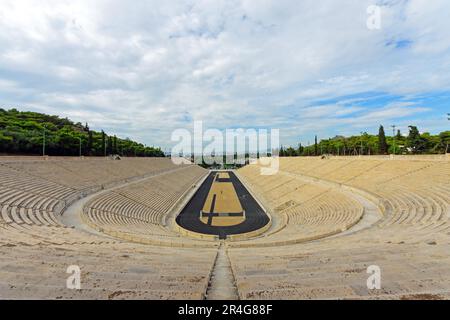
{"x": 222, "y": 206}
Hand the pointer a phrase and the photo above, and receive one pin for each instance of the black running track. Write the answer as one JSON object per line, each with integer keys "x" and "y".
{"x": 256, "y": 218}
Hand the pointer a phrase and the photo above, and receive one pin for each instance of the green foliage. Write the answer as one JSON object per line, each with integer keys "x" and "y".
{"x": 23, "y": 133}
{"x": 415, "y": 142}
{"x": 382, "y": 144}
{"x": 444, "y": 142}
{"x": 367, "y": 144}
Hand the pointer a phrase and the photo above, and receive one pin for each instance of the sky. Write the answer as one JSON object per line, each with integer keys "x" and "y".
{"x": 141, "y": 69}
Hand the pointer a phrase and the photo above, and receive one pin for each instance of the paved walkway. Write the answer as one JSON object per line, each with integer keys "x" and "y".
{"x": 222, "y": 283}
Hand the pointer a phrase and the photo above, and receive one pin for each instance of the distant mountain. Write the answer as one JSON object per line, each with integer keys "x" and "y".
{"x": 23, "y": 133}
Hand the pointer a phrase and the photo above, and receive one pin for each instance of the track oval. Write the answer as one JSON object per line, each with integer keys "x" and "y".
{"x": 255, "y": 217}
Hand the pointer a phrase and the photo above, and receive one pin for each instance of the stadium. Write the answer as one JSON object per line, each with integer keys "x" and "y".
{"x": 228, "y": 150}
{"x": 321, "y": 222}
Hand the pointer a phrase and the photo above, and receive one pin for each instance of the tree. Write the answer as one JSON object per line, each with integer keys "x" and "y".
{"x": 382, "y": 144}
{"x": 282, "y": 154}
{"x": 110, "y": 145}
{"x": 415, "y": 143}
{"x": 115, "y": 145}
{"x": 316, "y": 148}
{"x": 103, "y": 143}
{"x": 444, "y": 138}
{"x": 22, "y": 133}
{"x": 89, "y": 139}
{"x": 290, "y": 152}
{"x": 89, "y": 143}
{"x": 300, "y": 149}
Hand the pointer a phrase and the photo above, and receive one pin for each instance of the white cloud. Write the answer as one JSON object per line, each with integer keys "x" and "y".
{"x": 145, "y": 69}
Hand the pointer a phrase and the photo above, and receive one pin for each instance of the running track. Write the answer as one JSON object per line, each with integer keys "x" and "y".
{"x": 256, "y": 218}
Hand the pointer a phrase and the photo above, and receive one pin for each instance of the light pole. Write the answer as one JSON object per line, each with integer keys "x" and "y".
{"x": 43, "y": 143}
{"x": 393, "y": 135}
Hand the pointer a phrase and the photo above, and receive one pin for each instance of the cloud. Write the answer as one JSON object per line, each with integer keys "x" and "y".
{"x": 143, "y": 70}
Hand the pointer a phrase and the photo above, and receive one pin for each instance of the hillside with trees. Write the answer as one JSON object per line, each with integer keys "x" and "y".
{"x": 367, "y": 144}
{"x": 23, "y": 133}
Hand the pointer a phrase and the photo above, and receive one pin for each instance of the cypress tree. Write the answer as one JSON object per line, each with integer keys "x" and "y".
{"x": 382, "y": 144}
{"x": 103, "y": 143}
{"x": 316, "y": 149}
